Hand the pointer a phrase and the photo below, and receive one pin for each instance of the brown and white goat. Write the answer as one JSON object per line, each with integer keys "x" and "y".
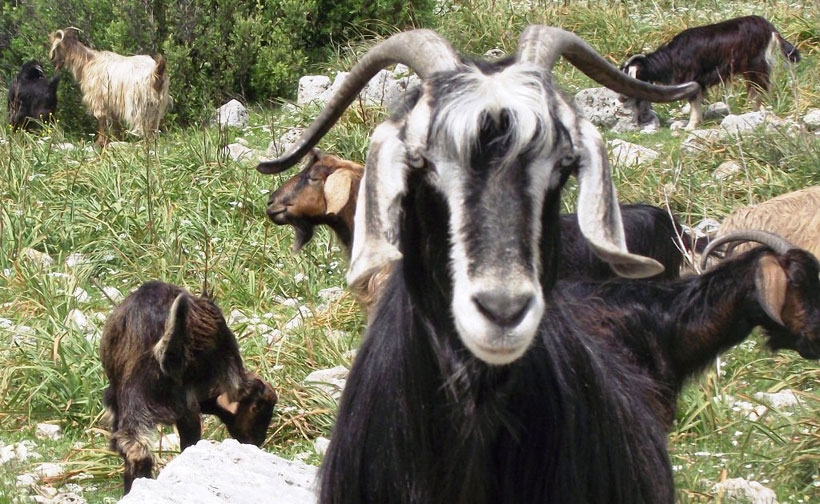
{"x": 673, "y": 330}
{"x": 794, "y": 215}
{"x": 169, "y": 356}
{"x": 131, "y": 89}
{"x": 713, "y": 54}
{"x": 32, "y": 96}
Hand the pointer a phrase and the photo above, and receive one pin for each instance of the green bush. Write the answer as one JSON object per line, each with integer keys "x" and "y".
{"x": 216, "y": 49}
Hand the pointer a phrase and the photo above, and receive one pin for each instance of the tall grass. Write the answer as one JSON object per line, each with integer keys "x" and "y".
{"x": 179, "y": 210}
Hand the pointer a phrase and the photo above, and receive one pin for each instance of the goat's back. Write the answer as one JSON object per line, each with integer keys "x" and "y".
{"x": 138, "y": 323}
{"x": 794, "y": 216}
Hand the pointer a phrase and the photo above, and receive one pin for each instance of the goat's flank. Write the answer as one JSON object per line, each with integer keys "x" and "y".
{"x": 714, "y": 54}
{"x": 168, "y": 357}
{"x": 794, "y": 215}
{"x": 115, "y": 88}
{"x": 461, "y": 193}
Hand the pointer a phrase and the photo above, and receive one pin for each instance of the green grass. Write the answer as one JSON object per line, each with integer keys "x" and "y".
{"x": 179, "y": 210}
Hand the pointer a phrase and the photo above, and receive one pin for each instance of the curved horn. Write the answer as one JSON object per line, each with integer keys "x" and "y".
{"x": 543, "y": 45}
{"x": 772, "y": 240}
{"x": 424, "y": 51}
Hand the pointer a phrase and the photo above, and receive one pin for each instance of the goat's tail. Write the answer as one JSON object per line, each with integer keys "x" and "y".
{"x": 159, "y": 73}
{"x": 169, "y": 351}
{"x": 789, "y": 51}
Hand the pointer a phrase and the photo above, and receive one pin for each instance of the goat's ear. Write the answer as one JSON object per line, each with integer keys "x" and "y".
{"x": 375, "y": 230}
{"x": 337, "y": 191}
{"x": 598, "y": 213}
{"x": 771, "y": 283}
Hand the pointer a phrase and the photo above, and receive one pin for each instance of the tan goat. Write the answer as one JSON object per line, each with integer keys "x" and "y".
{"x": 115, "y": 88}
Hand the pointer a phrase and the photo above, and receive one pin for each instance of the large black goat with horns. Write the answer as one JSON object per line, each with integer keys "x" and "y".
{"x": 673, "y": 330}
{"x": 713, "y": 54}
{"x": 461, "y": 393}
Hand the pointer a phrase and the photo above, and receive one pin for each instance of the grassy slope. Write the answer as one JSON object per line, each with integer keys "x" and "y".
{"x": 180, "y": 211}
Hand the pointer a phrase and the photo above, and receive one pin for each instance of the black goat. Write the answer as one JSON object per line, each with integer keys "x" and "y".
{"x": 170, "y": 356}
{"x": 462, "y": 392}
{"x": 713, "y": 54}
{"x": 674, "y": 329}
{"x": 32, "y": 96}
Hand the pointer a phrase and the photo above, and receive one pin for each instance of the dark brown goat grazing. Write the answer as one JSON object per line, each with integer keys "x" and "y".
{"x": 673, "y": 330}
{"x": 170, "y": 356}
{"x": 32, "y": 96}
{"x": 715, "y": 53}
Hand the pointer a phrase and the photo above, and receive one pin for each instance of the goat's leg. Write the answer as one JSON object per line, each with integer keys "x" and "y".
{"x": 102, "y": 127}
{"x": 116, "y": 128}
{"x": 133, "y": 444}
{"x": 189, "y": 427}
{"x": 756, "y": 85}
{"x": 695, "y": 111}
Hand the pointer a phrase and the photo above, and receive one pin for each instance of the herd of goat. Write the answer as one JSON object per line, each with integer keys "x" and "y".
{"x": 512, "y": 353}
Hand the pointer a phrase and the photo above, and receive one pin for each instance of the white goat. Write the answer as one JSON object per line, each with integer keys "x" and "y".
{"x": 115, "y": 88}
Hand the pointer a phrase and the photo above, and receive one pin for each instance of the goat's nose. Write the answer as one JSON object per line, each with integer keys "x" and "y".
{"x": 502, "y": 307}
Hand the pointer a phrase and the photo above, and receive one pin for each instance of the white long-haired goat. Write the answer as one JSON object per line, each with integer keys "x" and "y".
{"x": 132, "y": 89}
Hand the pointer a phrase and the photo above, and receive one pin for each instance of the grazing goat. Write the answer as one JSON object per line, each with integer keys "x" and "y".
{"x": 674, "y": 329}
{"x": 115, "y": 88}
{"x": 713, "y": 54}
{"x": 170, "y": 356}
{"x": 32, "y": 97}
{"x": 794, "y": 215}
{"x": 461, "y": 393}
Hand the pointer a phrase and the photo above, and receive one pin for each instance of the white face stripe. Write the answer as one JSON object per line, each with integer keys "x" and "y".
{"x": 520, "y": 92}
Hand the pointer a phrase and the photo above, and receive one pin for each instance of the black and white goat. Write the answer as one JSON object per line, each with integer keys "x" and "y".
{"x": 713, "y": 54}
{"x": 32, "y": 96}
{"x": 169, "y": 356}
{"x": 673, "y": 330}
{"x": 461, "y": 393}
{"x": 131, "y": 89}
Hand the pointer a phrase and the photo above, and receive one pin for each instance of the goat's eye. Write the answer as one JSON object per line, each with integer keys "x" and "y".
{"x": 417, "y": 161}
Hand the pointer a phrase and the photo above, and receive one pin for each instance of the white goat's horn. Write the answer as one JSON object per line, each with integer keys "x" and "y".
{"x": 772, "y": 240}
{"x": 424, "y": 51}
{"x": 543, "y": 45}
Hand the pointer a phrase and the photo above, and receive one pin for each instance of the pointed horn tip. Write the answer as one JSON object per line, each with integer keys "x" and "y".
{"x": 275, "y": 166}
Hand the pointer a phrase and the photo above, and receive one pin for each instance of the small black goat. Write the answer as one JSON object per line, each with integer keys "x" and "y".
{"x": 715, "y": 53}
{"x": 32, "y": 97}
{"x": 674, "y": 329}
{"x": 170, "y": 356}
{"x": 462, "y": 392}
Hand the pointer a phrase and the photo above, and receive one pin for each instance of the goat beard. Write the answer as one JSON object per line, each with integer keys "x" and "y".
{"x": 304, "y": 232}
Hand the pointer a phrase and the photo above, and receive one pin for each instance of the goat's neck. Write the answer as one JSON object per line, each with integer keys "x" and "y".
{"x": 77, "y": 58}
{"x": 718, "y": 310}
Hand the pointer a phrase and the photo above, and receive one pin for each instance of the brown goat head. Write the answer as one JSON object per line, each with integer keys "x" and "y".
{"x": 61, "y": 41}
{"x": 324, "y": 192}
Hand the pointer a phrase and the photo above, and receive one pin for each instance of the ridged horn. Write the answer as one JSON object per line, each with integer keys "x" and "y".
{"x": 772, "y": 240}
{"x": 543, "y": 45}
{"x": 424, "y": 51}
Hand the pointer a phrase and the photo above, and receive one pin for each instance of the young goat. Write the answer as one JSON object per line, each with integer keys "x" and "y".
{"x": 462, "y": 392}
{"x": 170, "y": 356}
{"x": 32, "y": 97}
{"x": 674, "y": 329}
{"x": 713, "y": 54}
{"x": 115, "y": 88}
